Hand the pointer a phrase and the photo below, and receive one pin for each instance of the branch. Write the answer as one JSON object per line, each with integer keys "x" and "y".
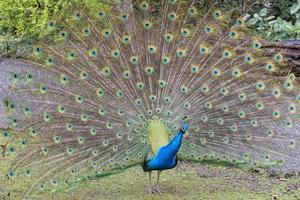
{"x": 290, "y": 50}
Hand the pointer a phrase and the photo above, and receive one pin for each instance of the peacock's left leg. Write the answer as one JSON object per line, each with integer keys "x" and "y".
{"x": 150, "y": 185}
{"x": 157, "y": 189}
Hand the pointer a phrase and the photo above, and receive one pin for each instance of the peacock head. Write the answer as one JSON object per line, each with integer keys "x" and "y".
{"x": 184, "y": 129}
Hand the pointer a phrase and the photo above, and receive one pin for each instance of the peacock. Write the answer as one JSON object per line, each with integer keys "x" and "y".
{"x": 165, "y": 157}
{"x": 145, "y": 83}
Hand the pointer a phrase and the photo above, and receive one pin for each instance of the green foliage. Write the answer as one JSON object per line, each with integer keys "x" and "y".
{"x": 27, "y": 18}
{"x": 278, "y": 28}
{"x": 277, "y": 19}
{"x": 24, "y": 21}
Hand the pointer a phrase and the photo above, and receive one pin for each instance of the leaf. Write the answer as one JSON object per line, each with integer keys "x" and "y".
{"x": 297, "y": 22}
{"x": 271, "y": 23}
{"x": 256, "y": 16}
{"x": 263, "y": 12}
{"x": 252, "y": 21}
{"x": 295, "y": 7}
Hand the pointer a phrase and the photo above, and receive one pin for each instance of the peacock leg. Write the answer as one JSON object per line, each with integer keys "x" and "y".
{"x": 150, "y": 186}
{"x": 157, "y": 189}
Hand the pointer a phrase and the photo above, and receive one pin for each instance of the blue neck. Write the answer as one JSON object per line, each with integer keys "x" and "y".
{"x": 175, "y": 143}
{"x": 166, "y": 156}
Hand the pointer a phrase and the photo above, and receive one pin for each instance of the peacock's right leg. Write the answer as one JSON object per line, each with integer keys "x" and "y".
{"x": 157, "y": 189}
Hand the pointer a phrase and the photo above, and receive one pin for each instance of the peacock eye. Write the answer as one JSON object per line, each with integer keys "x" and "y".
{"x": 238, "y": 22}
{"x": 38, "y": 49}
{"x": 207, "y": 29}
{"x": 51, "y": 24}
{"x": 124, "y": 17}
{"x": 101, "y": 14}
{"x": 172, "y": 16}
{"x": 232, "y": 34}
{"x": 77, "y": 15}
{"x": 63, "y": 34}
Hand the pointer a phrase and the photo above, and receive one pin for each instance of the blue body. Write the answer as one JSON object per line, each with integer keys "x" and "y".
{"x": 166, "y": 155}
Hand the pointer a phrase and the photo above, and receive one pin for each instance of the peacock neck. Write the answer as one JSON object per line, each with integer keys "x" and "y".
{"x": 175, "y": 143}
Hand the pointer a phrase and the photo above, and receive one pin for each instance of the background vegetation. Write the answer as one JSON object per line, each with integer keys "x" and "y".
{"x": 277, "y": 19}
{"x": 23, "y": 21}
{"x": 27, "y": 18}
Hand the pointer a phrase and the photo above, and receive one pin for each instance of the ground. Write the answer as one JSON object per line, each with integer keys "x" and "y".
{"x": 187, "y": 181}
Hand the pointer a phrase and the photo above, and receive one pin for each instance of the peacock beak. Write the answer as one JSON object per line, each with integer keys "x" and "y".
{"x": 186, "y": 134}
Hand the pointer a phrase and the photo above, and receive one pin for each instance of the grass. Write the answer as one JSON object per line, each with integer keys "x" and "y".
{"x": 187, "y": 181}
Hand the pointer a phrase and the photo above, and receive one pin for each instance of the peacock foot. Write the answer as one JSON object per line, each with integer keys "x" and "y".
{"x": 157, "y": 190}
{"x": 150, "y": 190}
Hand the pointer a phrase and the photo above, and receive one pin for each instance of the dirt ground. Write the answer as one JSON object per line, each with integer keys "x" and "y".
{"x": 187, "y": 181}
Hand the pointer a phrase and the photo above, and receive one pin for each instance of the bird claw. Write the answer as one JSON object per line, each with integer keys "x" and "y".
{"x": 157, "y": 190}
{"x": 154, "y": 190}
{"x": 150, "y": 190}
